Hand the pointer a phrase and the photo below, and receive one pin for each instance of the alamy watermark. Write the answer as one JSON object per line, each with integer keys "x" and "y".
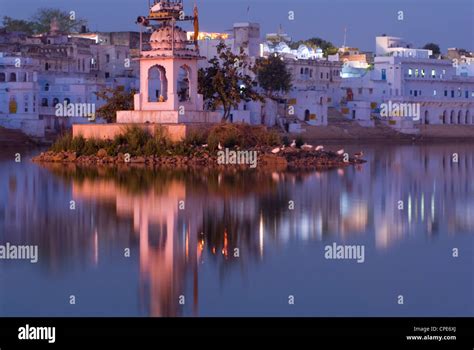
{"x": 19, "y": 252}
{"x": 227, "y": 157}
{"x": 345, "y": 252}
{"x": 400, "y": 110}
{"x": 82, "y": 110}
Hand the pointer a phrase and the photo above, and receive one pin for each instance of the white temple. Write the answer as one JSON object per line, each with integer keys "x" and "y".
{"x": 168, "y": 80}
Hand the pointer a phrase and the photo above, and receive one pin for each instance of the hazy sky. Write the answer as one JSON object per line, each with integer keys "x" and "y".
{"x": 450, "y": 23}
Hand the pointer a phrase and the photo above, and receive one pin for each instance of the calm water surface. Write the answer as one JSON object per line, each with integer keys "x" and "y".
{"x": 189, "y": 251}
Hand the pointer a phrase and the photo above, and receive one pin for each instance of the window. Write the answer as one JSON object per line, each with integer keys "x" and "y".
{"x": 107, "y": 75}
{"x": 422, "y": 73}
{"x": 410, "y": 72}
{"x": 371, "y": 91}
{"x": 433, "y": 73}
{"x": 459, "y": 93}
{"x": 46, "y": 87}
{"x": 452, "y": 93}
{"x": 417, "y": 74}
{"x": 321, "y": 75}
{"x": 466, "y": 94}
{"x": 13, "y": 77}
{"x": 360, "y": 91}
{"x": 67, "y": 101}
{"x": 327, "y": 75}
{"x": 46, "y": 66}
{"x": 302, "y": 71}
{"x": 411, "y": 92}
{"x": 416, "y": 93}
{"x": 445, "y": 93}
{"x": 44, "y": 102}
{"x": 107, "y": 58}
{"x": 434, "y": 92}
{"x": 55, "y": 101}
{"x": 2, "y": 77}
{"x": 310, "y": 73}
{"x": 419, "y": 93}
{"x": 384, "y": 74}
{"x": 26, "y": 102}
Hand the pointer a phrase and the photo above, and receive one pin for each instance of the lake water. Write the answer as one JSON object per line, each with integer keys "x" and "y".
{"x": 139, "y": 242}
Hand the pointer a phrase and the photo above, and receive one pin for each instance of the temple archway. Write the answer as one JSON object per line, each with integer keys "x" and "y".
{"x": 451, "y": 118}
{"x": 184, "y": 86}
{"x": 157, "y": 84}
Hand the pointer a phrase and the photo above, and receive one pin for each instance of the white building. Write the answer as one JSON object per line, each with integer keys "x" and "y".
{"x": 19, "y": 91}
{"x": 408, "y": 76}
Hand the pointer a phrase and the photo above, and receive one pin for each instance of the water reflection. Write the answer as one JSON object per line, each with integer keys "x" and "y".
{"x": 207, "y": 243}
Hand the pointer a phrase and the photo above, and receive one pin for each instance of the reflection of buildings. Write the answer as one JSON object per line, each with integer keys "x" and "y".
{"x": 168, "y": 252}
{"x": 141, "y": 210}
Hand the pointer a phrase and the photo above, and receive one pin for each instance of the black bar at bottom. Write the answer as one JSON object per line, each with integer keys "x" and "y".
{"x": 450, "y": 333}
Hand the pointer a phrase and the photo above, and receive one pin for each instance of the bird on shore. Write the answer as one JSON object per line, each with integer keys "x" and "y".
{"x": 219, "y": 146}
{"x": 340, "y": 152}
{"x": 306, "y": 147}
{"x": 276, "y": 150}
{"x": 293, "y": 144}
{"x": 319, "y": 148}
{"x": 359, "y": 155}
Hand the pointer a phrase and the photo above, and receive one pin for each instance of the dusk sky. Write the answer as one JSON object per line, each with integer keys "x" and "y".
{"x": 450, "y": 23}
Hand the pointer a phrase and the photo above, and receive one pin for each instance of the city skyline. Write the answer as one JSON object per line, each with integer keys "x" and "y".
{"x": 330, "y": 25}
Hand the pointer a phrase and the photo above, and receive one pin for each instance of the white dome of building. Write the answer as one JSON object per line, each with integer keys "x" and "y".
{"x": 161, "y": 38}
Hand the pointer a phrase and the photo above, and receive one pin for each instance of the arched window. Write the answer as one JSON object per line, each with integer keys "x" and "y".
{"x": 444, "y": 117}
{"x": 44, "y": 102}
{"x": 184, "y": 84}
{"x": 459, "y": 117}
{"x": 451, "y": 118}
{"x": 46, "y": 87}
{"x": 55, "y": 101}
{"x": 2, "y": 77}
{"x": 12, "y": 77}
{"x": 157, "y": 84}
{"x": 67, "y": 100}
{"x": 468, "y": 118}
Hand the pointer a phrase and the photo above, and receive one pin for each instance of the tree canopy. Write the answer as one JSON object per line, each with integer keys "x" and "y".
{"x": 273, "y": 75}
{"x": 41, "y": 20}
{"x": 226, "y": 81}
{"x": 115, "y": 100}
{"x": 433, "y": 47}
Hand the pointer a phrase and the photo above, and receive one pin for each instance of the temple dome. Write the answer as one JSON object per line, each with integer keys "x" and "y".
{"x": 161, "y": 38}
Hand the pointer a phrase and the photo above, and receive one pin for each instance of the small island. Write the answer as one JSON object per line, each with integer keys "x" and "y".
{"x": 220, "y": 146}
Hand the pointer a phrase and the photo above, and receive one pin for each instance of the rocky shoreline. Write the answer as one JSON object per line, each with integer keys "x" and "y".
{"x": 289, "y": 158}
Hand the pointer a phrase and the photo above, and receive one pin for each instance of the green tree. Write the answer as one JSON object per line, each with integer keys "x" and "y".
{"x": 433, "y": 47}
{"x": 40, "y": 22}
{"x": 225, "y": 82}
{"x": 18, "y": 25}
{"x": 115, "y": 100}
{"x": 273, "y": 75}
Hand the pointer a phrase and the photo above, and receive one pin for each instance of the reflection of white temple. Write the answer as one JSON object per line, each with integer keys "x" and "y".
{"x": 168, "y": 242}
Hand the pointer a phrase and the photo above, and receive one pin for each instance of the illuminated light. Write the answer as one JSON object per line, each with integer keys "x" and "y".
{"x": 422, "y": 207}
{"x": 260, "y": 235}
{"x": 213, "y": 250}
{"x": 409, "y": 209}
{"x": 432, "y": 207}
